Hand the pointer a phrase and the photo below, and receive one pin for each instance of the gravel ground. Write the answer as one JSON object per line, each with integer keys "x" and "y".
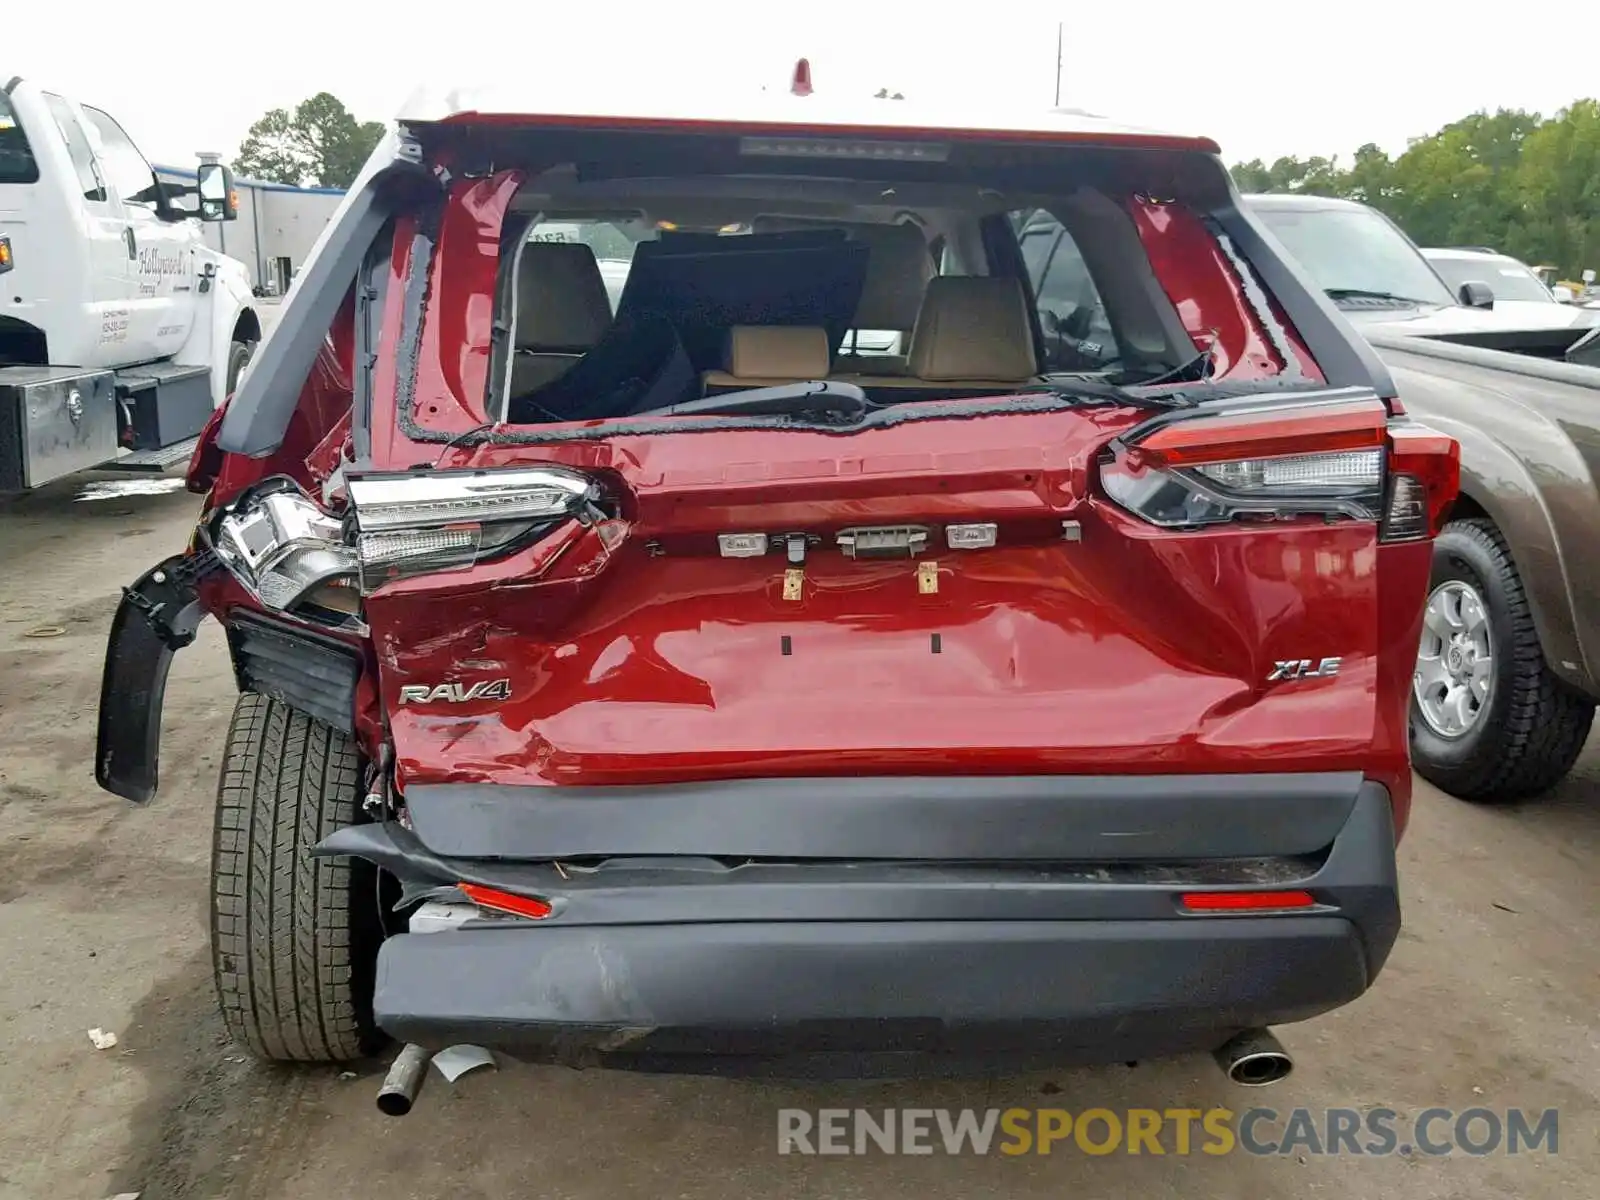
{"x": 1489, "y": 999}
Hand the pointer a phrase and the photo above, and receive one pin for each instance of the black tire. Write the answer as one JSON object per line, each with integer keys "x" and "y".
{"x": 293, "y": 938}
{"x": 239, "y": 354}
{"x": 1534, "y": 725}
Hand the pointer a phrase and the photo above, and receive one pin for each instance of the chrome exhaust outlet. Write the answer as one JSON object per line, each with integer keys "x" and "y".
{"x": 404, "y": 1081}
{"x": 1254, "y": 1058}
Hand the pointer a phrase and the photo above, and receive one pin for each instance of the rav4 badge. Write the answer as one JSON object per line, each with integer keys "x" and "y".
{"x": 456, "y": 693}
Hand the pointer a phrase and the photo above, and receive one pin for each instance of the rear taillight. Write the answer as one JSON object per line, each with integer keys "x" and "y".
{"x": 1337, "y": 459}
{"x": 410, "y": 523}
{"x": 1405, "y": 513}
{"x": 1274, "y": 462}
{"x": 297, "y": 557}
{"x": 281, "y": 544}
{"x": 1424, "y": 477}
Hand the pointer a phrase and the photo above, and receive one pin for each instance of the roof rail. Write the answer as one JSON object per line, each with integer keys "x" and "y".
{"x": 1475, "y": 249}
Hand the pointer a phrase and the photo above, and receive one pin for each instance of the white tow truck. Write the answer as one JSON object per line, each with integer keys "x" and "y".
{"x": 121, "y": 331}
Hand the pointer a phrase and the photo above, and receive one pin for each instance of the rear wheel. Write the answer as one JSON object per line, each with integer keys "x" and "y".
{"x": 294, "y": 939}
{"x": 239, "y": 355}
{"x": 1490, "y": 722}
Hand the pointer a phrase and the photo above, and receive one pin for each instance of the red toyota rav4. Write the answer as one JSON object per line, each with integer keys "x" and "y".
{"x": 952, "y": 598}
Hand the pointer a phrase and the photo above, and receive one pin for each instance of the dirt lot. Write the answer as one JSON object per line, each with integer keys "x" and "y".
{"x": 1489, "y": 1000}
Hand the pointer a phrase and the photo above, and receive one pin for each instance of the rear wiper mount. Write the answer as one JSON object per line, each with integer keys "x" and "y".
{"x": 828, "y": 401}
{"x": 1110, "y": 393}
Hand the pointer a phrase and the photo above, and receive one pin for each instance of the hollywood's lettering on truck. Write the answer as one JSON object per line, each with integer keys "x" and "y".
{"x": 158, "y": 269}
{"x": 153, "y": 262}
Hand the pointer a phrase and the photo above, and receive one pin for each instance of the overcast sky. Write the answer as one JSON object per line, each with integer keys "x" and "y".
{"x": 1263, "y": 78}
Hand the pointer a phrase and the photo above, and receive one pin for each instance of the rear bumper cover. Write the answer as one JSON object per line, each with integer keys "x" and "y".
{"x": 684, "y": 964}
{"x": 1046, "y": 991}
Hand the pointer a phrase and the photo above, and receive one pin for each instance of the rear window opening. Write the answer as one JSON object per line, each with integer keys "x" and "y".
{"x": 704, "y": 287}
{"x": 782, "y": 266}
{"x": 638, "y": 274}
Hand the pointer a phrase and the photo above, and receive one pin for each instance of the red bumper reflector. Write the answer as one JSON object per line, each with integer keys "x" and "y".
{"x": 1246, "y": 901}
{"x": 518, "y": 906}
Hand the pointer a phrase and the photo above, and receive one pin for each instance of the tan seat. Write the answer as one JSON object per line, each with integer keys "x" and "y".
{"x": 898, "y": 270}
{"x": 770, "y": 355}
{"x": 973, "y": 332}
{"x": 562, "y": 312}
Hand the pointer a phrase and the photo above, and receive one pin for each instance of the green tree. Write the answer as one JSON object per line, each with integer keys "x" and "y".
{"x": 1522, "y": 183}
{"x": 1313, "y": 176}
{"x": 1370, "y": 178}
{"x": 1457, "y": 187}
{"x": 319, "y": 143}
{"x": 1558, "y": 189}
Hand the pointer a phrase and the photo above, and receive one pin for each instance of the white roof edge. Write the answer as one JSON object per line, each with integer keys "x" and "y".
{"x": 604, "y": 99}
{"x": 1471, "y": 251}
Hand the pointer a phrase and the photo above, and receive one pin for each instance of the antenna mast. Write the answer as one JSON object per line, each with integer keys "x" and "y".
{"x": 1058, "y": 63}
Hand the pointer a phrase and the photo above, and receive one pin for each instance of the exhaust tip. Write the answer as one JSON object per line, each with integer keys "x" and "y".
{"x": 404, "y": 1081}
{"x": 394, "y": 1104}
{"x": 1258, "y": 1070}
{"x": 1254, "y": 1059}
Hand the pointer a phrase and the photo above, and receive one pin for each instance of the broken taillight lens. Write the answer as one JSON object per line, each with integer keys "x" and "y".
{"x": 281, "y": 544}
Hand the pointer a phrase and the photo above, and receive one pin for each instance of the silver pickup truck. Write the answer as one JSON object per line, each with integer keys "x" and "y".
{"x": 1508, "y": 670}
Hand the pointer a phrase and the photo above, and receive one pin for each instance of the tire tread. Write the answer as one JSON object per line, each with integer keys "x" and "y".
{"x": 283, "y": 941}
{"x": 1546, "y": 722}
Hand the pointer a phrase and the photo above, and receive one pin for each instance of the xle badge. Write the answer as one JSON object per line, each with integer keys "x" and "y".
{"x": 1302, "y": 668}
{"x": 456, "y": 693}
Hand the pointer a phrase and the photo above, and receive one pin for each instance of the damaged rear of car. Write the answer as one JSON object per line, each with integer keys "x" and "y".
{"x": 853, "y": 633}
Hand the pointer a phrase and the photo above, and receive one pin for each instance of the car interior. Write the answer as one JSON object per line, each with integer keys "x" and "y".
{"x": 736, "y": 284}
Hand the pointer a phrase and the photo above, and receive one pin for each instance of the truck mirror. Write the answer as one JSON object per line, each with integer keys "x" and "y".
{"x": 1476, "y": 295}
{"x": 219, "y": 201}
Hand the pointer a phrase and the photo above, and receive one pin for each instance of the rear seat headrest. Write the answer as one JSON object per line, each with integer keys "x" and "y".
{"x": 561, "y": 298}
{"x": 898, "y": 270}
{"x": 973, "y": 327}
{"x": 778, "y": 352}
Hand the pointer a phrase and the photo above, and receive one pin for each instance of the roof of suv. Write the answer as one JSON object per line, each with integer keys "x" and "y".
{"x": 1468, "y": 252}
{"x": 779, "y": 112}
{"x": 1292, "y": 200}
